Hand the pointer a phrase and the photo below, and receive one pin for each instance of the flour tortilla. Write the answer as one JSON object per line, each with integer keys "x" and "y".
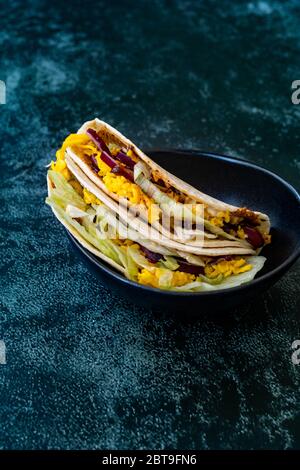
{"x": 110, "y": 134}
{"x": 142, "y": 227}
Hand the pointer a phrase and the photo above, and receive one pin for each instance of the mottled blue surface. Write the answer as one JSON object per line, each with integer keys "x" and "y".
{"x": 84, "y": 368}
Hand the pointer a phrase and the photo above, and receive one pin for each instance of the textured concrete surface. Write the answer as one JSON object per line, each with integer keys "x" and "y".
{"x": 85, "y": 369}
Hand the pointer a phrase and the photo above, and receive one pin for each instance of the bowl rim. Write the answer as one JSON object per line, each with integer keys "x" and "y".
{"x": 256, "y": 281}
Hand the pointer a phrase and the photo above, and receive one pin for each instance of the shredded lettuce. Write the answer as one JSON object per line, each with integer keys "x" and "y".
{"x": 74, "y": 212}
{"x": 132, "y": 268}
{"x": 63, "y": 193}
{"x": 165, "y": 279}
{"x": 140, "y": 260}
{"x": 257, "y": 263}
{"x": 87, "y": 233}
{"x": 166, "y": 203}
{"x": 169, "y": 263}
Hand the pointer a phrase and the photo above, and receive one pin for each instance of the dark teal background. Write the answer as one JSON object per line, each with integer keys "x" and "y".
{"x": 85, "y": 369}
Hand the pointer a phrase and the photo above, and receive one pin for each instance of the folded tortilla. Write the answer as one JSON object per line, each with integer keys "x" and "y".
{"x": 87, "y": 189}
{"x": 149, "y": 178}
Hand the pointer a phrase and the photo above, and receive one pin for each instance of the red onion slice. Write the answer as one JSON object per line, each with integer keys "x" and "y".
{"x": 95, "y": 167}
{"x": 108, "y": 159}
{"x": 190, "y": 268}
{"x": 150, "y": 255}
{"x": 122, "y": 157}
{"x": 100, "y": 144}
{"x": 254, "y": 236}
{"x": 120, "y": 171}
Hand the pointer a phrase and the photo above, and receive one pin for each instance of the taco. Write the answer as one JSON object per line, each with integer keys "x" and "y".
{"x": 97, "y": 168}
{"x": 123, "y": 172}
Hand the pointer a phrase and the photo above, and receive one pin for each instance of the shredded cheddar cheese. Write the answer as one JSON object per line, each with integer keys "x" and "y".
{"x": 60, "y": 167}
{"x": 77, "y": 186}
{"x": 224, "y": 217}
{"x": 60, "y": 164}
{"x": 218, "y": 220}
{"x": 227, "y": 268}
{"x": 240, "y": 233}
{"x": 151, "y": 278}
{"x": 90, "y": 198}
{"x": 72, "y": 140}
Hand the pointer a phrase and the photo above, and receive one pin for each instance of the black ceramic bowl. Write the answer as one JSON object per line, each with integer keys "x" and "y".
{"x": 237, "y": 182}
